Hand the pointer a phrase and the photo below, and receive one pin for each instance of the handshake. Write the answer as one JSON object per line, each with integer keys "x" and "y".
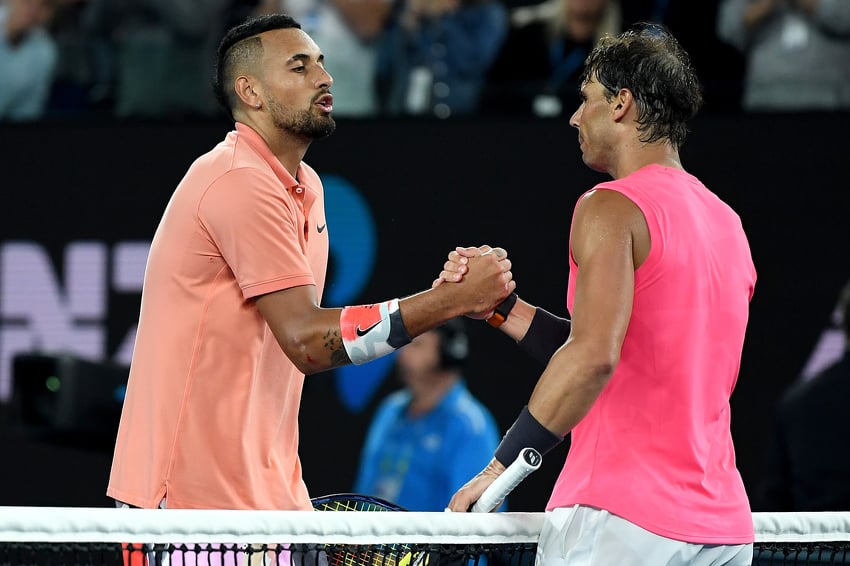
{"x": 477, "y": 279}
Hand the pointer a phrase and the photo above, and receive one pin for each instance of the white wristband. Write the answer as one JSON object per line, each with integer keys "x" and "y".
{"x": 372, "y": 331}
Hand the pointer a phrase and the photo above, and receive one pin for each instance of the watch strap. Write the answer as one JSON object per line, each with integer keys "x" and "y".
{"x": 500, "y": 314}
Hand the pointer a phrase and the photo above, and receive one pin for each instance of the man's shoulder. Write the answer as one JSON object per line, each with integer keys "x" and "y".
{"x": 232, "y": 156}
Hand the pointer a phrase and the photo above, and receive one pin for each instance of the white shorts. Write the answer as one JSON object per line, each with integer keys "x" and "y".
{"x": 586, "y": 536}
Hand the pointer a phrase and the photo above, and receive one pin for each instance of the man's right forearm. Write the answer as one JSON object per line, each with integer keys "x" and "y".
{"x": 428, "y": 309}
{"x": 546, "y": 334}
{"x": 537, "y": 331}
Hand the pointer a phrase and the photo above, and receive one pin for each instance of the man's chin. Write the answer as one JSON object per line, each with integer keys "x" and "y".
{"x": 326, "y": 128}
{"x": 329, "y": 128}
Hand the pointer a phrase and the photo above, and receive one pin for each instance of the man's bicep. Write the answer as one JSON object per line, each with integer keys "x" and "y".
{"x": 602, "y": 246}
{"x": 289, "y": 308}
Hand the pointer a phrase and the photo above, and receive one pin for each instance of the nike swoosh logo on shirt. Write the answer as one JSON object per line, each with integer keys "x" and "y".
{"x": 321, "y": 228}
{"x": 364, "y": 332}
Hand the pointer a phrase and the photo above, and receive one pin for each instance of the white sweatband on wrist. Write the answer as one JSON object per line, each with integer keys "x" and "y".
{"x": 372, "y": 331}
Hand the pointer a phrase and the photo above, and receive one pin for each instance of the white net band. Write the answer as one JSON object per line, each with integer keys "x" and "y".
{"x": 40, "y": 524}
{"x": 802, "y": 527}
{"x": 32, "y": 536}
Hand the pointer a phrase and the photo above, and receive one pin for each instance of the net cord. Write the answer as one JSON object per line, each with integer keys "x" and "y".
{"x": 86, "y": 524}
{"x": 77, "y": 524}
{"x": 821, "y": 526}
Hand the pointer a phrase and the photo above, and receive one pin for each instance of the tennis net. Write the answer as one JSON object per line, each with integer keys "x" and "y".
{"x": 172, "y": 537}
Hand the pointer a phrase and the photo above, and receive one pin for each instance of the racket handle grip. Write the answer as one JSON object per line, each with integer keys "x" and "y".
{"x": 526, "y": 462}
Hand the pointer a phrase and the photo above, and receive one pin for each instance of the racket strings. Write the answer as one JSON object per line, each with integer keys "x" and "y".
{"x": 366, "y": 555}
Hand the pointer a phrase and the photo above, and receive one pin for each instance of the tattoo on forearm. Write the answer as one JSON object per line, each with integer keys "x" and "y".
{"x": 339, "y": 358}
{"x": 333, "y": 342}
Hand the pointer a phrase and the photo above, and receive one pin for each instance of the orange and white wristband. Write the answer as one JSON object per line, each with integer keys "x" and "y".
{"x": 372, "y": 331}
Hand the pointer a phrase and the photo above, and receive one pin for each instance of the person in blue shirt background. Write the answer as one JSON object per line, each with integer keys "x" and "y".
{"x": 433, "y": 56}
{"x": 427, "y": 439}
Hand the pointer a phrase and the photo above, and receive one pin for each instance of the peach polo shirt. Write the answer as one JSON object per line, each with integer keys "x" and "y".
{"x": 210, "y": 419}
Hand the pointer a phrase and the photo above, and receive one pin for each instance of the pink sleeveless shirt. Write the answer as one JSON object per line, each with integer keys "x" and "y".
{"x": 656, "y": 448}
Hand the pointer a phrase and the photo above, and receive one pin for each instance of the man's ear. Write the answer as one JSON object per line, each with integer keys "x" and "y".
{"x": 247, "y": 88}
{"x": 623, "y": 102}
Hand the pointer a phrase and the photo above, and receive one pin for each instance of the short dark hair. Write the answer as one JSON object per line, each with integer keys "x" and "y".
{"x": 649, "y": 61}
{"x": 241, "y": 44}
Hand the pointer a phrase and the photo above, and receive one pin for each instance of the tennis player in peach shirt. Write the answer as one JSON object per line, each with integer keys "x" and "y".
{"x": 230, "y": 321}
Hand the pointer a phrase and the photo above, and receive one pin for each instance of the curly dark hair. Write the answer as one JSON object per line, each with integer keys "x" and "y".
{"x": 240, "y": 45}
{"x": 650, "y": 62}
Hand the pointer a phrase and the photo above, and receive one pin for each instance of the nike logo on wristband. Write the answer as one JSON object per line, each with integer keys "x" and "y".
{"x": 364, "y": 332}
{"x": 321, "y": 228}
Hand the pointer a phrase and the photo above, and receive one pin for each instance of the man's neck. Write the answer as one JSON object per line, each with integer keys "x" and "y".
{"x": 288, "y": 149}
{"x": 662, "y": 153}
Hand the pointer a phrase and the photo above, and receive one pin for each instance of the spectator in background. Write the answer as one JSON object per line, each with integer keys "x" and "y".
{"x": 427, "y": 439}
{"x": 807, "y": 470}
{"x": 27, "y": 58}
{"x": 720, "y": 66}
{"x": 348, "y": 31}
{"x": 163, "y": 52}
{"x": 539, "y": 65}
{"x": 797, "y": 52}
{"x": 435, "y": 54}
{"x": 80, "y": 83}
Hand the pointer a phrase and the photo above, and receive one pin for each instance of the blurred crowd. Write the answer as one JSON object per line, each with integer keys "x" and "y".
{"x": 152, "y": 59}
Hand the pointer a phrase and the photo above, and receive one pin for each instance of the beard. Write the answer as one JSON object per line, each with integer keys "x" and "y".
{"x": 302, "y": 123}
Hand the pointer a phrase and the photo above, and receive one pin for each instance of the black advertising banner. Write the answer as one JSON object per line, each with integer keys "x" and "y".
{"x": 81, "y": 202}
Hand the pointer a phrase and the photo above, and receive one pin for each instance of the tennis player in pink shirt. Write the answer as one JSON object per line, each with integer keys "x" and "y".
{"x": 661, "y": 278}
{"x": 230, "y": 319}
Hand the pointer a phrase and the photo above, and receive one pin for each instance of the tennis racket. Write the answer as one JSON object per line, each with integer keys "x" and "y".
{"x": 401, "y": 554}
{"x": 396, "y": 554}
{"x": 353, "y": 502}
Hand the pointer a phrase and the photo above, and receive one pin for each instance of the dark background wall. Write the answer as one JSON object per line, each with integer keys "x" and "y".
{"x": 431, "y": 186}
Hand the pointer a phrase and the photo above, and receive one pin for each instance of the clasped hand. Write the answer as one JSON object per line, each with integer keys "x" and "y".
{"x": 457, "y": 269}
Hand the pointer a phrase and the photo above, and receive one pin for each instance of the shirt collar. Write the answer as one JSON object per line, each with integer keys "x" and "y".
{"x": 258, "y": 144}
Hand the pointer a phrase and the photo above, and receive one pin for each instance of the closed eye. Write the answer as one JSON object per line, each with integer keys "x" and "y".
{"x": 299, "y": 62}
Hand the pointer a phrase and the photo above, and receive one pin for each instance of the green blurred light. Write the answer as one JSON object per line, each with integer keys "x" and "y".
{"x": 53, "y": 383}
